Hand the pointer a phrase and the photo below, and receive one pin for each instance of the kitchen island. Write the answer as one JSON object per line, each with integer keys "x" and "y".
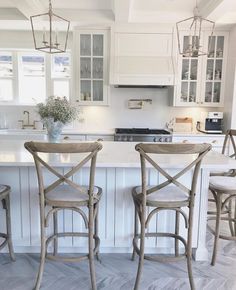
{"x": 118, "y": 170}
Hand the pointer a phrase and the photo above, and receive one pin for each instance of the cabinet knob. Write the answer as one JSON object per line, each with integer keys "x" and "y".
{"x": 214, "y": 141}
{"x": 185, "y": 141}
{"x": 66, "y": 138}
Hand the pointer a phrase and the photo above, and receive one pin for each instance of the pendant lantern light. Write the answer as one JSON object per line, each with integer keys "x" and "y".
{"x": 192, "y": 43}
{"x": 50, "y": 40}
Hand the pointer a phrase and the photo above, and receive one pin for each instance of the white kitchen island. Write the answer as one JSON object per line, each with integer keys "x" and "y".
{"x": 118, "y": 170}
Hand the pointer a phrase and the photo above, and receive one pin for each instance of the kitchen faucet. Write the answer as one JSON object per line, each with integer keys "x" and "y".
{"x": 27, "y": 125}
{"x": 27, "y": 112}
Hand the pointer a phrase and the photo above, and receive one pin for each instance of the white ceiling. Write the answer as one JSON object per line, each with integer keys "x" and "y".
{"x": 119, "y": 11}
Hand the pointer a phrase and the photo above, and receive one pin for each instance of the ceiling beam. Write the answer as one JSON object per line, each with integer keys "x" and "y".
{"x": 29, "y": 7}
{"x": 206, "y": 7}
{"x": 122, "y": 10}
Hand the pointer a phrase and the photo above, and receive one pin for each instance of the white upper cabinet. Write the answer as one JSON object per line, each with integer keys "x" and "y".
{"x": 142, "y": 59}
{"x": 200, "y": 80}
{"x": 91, "y": 67}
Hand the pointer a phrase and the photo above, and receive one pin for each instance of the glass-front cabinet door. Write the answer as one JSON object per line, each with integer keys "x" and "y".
{"x": 92, "y": 86}
{"x": 201, "y": 80}
{"x": 188, "y": 88}
{"x": 214, "y": 67}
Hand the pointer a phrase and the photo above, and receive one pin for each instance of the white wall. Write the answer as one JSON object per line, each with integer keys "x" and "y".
{"x": 117, "y": 114}
{"x": 153, "y": 116}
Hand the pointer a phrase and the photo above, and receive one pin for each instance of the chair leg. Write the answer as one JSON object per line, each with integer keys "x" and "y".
{"x": 8, "y": 224}
{"x": 189, "y": 265}
{"x": 177, "y": 233}
{"x": 91, "y": 248}
{"x": 96, "y": 210}
{"x": 234, "y": 217}
{"x": 141, "y": 254}
{"x": 135, "y": 230}
{"x": 217, "y": 227}
{"x": 232, "y": 231}
{"x": 55, "y": 229}
{"x": 42, "y": 252}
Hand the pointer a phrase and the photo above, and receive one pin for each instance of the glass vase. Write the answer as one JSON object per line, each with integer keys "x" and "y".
{"x": 54, "y": 129}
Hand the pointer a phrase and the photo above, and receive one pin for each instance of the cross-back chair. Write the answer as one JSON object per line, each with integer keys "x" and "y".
{"x": 223, "y": 190}
{"x": 65, "y": 193}
{"x": 168, "y": 195}
{"x": 7, "y": 237}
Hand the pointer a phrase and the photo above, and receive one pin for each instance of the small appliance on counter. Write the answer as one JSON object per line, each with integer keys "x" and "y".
{"x": 213, "y": 123}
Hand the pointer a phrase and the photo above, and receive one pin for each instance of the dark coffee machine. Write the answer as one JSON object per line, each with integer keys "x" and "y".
{"x": 214, "y": 122}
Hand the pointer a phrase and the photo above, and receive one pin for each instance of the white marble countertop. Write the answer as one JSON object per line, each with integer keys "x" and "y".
{"x": 196, "y": 134}
{"x": 113, "y": 154}
{"x": 96, "y": 132}
{"x": 16, "y": 132}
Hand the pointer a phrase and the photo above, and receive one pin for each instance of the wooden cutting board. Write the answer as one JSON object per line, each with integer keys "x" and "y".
{"x": 183, "y": 124}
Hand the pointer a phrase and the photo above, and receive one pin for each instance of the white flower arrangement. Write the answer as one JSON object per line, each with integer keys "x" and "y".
{"x": 58, "y": 109}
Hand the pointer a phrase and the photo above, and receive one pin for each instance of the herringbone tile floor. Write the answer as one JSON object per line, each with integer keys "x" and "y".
{"x": 117, "y": 272}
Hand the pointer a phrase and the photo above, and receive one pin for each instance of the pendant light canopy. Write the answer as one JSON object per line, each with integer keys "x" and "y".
{"x": 191, "y": 46}
{"x": 50, "y": 40}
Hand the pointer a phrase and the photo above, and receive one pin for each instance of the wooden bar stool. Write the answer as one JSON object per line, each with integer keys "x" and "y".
{"x": 223, "y": 189}
{"x": 65, "y": 194}
{"x": 7, "y": 238}
{"x": 168, "y": 195}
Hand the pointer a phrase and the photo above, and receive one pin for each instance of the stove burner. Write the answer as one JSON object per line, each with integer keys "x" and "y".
{"x": 141, "y": 131}
{"x": 142, "y": 135}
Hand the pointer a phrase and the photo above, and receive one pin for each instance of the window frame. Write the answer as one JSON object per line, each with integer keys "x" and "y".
{"x": 16, "y": 54}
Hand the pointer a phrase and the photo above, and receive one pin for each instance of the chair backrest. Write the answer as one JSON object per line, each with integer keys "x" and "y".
{"x": 229, "y": 143}
{"x": 90, "y": 151}
{"x": 198, "y": 151}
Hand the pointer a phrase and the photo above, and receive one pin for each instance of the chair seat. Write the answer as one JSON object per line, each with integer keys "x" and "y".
{"x": 223, "y": 183}
{"x": 65, "y": 195}
{"x": 169, "y": 194}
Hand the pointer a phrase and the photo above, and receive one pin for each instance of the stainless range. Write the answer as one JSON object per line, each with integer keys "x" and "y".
{"x": 142, "y": 135}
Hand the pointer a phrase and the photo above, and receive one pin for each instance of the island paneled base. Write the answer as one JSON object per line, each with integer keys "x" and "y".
{"x": 116, "y": 213}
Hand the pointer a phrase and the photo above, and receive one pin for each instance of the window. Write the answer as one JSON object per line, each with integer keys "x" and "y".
{"x": 60, "y": 74}
{"x": 6, "y": 76}
{"x": 32, "y": 82}
{"x": 29, "y": 77}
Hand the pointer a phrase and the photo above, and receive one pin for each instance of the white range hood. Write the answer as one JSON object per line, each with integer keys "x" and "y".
{"x": 143, "y": 60}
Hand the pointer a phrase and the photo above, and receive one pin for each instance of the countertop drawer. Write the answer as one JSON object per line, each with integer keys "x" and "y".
{"x": 216, "y": 141}
{"x": 100, "y": 137}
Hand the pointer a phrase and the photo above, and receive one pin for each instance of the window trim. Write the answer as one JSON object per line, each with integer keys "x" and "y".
{"x": 16, "y": 53}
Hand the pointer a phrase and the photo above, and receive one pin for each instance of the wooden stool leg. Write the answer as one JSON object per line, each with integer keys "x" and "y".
{"x": 91, "y": 247}
{"x": 42, "y": 253}
{"x": 55, "y": 228}
{"x": 135, "y": 230}
{"x": 177, "y": 233}
{"x": 189, "y": 248}
{"x": 189, "y": 264}
{"x": 230, "y": 218}
{"x": 96, "y": 212}
{"x": 141, "y": 255}
{"x": 234, "y": 216}
{"x": 8, "y": 224}
{"x": 217, "y": 228}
